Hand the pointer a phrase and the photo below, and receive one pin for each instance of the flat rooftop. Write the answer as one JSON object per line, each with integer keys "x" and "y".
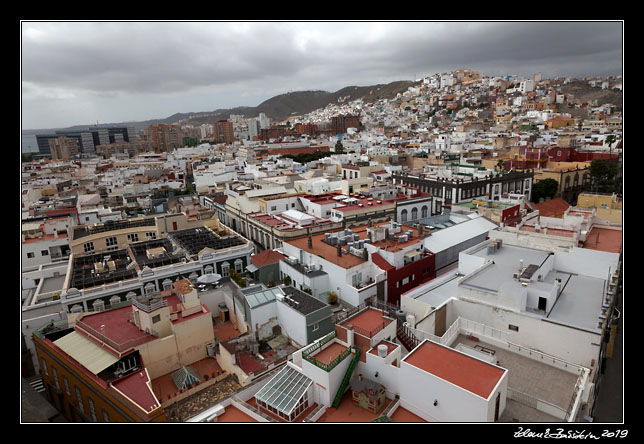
{"x": 579, "y": 304}
{"x": 437, "y": 291}
{"x": 462, "y": 370}
{"x": 367, "y": 320}
{"x": 604, "y": 239}
{"x": 330, "y": 252}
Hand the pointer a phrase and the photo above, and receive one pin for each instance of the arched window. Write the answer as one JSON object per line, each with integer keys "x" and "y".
{"x": 403, "y": 216}
{"x": 423, "y": 211}
{"x": 414, "y": 214}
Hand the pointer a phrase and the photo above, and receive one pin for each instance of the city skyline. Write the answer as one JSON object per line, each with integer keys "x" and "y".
{"x": 76, "y": 73}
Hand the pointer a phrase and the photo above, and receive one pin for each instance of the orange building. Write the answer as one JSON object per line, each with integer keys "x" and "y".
{"x": 109, "y": 366}
{"x": 223, "y": 131}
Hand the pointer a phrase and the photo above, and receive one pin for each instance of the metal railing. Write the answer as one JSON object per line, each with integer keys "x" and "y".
{"x": 307, "y": 354}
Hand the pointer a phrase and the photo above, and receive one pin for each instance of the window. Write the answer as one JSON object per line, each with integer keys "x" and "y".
{"x": 239, "y": 265}
{"x": 316, "y": 326}
{"x": 151, "y": 235}
{"x": 106, "y": 417}
{"x": 111, "y": 243}
{"x": 403, "y": 216}
{"x": 225, "y": 269}
{"x": 423, "y": 211}
{"x": 44, "y": 252}
{"x": 88, "y": 247}
{"x": 53, "y": 369}
{"x": 91, "y": 408}
{"x": 133, "y": 237}
{"x": 513, "y": 327}
{"x": 156, "y": 319}
{"x": 79, "y": 399}
{"x": 44, "y": 367}
{"x": 30, "y": 255}
{"x": 66, "y": 383}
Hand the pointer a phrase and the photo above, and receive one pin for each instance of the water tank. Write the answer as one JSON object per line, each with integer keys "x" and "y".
{"x": 382, "y": 350}
{"x": 411, "y": 319}
{"x": 400, "y": 314}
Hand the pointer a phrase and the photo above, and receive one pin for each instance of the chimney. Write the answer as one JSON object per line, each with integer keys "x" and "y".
{"x": 310, "y": 241}
{"x": 339, "y": 249}
{"x": 103, "y": 330}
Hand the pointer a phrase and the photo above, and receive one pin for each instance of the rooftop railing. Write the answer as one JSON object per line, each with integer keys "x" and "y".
{"x": 307, "y": 354}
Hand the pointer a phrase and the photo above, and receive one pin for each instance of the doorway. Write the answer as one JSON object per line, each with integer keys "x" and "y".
{"x": 542, "y": 303}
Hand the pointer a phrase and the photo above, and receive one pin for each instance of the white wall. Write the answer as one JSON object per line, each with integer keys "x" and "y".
{"x": 264, "y": 318}
{"x": 293, "y": 323}
{"x": 455, "y": 404}
{"x": 585, "y": 262}
{"x": 329, "y": 381}
{"x": 570, "y": 344}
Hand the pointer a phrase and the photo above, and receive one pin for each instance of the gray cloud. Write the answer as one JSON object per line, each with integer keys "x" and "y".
{"x": 221, "y": 64}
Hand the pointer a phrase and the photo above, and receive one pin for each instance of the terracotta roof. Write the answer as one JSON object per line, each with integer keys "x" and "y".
{"x": 552, "y": 208}
{"x": 183, "y": 286}
{"x": 266, "y": 257}
{"x": 471, "y": 374}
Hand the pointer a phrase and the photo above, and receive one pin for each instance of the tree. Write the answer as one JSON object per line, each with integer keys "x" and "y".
{"x": 602, "y": 175}
{"x": 543, "y": 189}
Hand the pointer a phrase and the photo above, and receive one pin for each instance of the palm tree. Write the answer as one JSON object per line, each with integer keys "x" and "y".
{"x": 500, "y": 164}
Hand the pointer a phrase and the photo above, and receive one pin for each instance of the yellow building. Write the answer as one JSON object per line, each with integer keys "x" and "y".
{"x": 609, "y": 207}
{"x": 105, "y": 366}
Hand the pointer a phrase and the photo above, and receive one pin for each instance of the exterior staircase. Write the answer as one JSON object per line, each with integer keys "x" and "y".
{"x": 347, "y": 377}
{"x": 406, "y": 337}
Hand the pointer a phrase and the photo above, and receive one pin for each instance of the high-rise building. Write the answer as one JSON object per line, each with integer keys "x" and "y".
{"x": 87, "y": 139}
{"x": 165, "y": 137}
{"x": 223, "y": 131}
{"x": 341, "y": 123}
{"x": 264, "y": 121}
{"x": 63, "y": 147}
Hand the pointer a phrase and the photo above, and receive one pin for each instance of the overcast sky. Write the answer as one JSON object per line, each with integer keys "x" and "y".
{"x": 76, "y": 73}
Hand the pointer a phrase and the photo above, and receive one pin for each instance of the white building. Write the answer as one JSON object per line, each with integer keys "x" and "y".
{"x": 557, "y": 303}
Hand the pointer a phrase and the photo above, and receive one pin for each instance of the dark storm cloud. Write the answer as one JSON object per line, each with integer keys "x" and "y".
{"x": 154, "y": 57}
{"x": 103, "y": 68}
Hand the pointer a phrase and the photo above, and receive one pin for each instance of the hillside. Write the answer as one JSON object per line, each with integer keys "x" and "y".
{"x": 586, "y": 93}
{"x": 278, "y": 108}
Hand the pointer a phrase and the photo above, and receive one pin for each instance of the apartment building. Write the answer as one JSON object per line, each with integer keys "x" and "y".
{"x": 457, "y": 189}
{"x": 164, "y": 137}
{"x": 223, "y": 132}
{"x": 515, "y": 296}
{"x": 63, "y": 148}
{"x": 358, "y": 373}
{"x": 101, "y": 366}
{"x": 46, "y": 242}
{"x": 380, "y": 259}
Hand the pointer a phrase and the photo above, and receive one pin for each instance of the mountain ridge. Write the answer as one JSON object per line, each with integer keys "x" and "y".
{"x": 278, "y": 108}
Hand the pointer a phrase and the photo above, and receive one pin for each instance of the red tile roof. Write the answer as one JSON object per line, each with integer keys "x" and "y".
{"x": 267, "y": 257}
{"x": 136, "y": 386}
{"x": 552, "y": 208}
{"x": 464, "y": 371}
